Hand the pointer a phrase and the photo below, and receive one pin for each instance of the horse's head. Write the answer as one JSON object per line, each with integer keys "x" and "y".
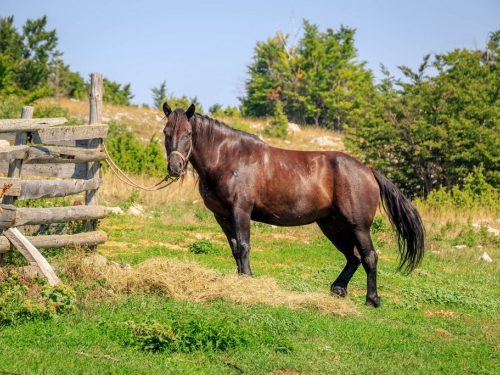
{"x": 178, "y": 138}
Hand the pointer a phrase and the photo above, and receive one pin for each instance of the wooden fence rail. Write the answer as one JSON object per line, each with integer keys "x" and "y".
{"x": 44, "y": 157}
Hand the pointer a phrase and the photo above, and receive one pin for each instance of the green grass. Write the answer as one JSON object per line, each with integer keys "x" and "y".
{"x": 404, "y": 335}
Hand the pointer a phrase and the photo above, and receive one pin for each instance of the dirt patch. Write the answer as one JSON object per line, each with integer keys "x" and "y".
{"x": 190, "y": 281}
{"x": 119, "y": 245}
{"x": 281, "y": 236}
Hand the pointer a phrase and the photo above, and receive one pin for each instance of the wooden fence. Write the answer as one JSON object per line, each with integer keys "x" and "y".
{"x": 72, "y": 154}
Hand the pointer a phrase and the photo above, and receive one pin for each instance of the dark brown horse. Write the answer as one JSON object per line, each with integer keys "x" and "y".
{"x": 242, "y": 178}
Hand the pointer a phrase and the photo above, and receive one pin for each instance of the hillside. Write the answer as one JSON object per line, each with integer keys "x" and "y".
{"x": 146, "y": 122}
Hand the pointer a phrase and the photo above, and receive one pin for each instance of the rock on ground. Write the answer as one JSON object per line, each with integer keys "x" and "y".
{"x": 293, "y": 128}
{"x": 485, "y": 257}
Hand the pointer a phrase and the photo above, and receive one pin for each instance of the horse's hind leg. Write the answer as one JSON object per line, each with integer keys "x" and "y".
{"x": 369, "y": 258}
{"x": 344, "y": 240}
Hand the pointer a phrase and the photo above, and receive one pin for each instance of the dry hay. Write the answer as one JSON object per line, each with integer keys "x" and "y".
{"x": 189, "y": 281}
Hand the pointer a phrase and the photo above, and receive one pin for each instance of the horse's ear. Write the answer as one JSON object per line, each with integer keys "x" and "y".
{"x": 190, "y": 111}
{"x": 166, "y": 109}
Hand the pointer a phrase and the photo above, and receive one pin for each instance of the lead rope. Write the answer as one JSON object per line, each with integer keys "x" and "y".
{"x": 127, "y": 180}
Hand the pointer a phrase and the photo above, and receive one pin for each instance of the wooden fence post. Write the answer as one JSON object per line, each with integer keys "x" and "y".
{"x": 95, "y": 117}
{"x": 16, "y": 164}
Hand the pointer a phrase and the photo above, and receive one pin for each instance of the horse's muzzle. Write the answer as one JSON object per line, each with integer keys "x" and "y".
{"x": 175, "y": 165}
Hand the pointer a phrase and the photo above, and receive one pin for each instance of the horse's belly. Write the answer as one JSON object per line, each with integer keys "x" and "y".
{"x": 292, "y": 215}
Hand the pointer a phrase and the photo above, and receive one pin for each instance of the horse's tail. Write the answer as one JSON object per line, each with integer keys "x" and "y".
{"x": 407, "y": 222}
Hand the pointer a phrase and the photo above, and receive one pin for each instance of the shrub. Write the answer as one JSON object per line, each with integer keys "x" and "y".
{"x": 131, "y": 155}
{"x": 189, "y": 334}
{"x": 278, "y": 125}
{"x": 204, "y": 246}
{"x": 475, "y": 193}
{"x": 10, "y": 107}
{"x": 18, "y": 305}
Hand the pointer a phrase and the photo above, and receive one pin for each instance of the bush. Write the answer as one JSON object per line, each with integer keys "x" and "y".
{"x": 54, "y": 110}
{"x": 278, "y": 125}
{"x": 18, "y": 305}
{"x": 10, "y": 107}
{"x": 188, "y": 335}
{"x": 131, "y": 155}
{"x": 475, "y": 193}
{"x": 204, "y": 246}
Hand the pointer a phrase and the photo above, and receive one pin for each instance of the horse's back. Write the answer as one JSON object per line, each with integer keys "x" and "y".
{"x": 299, "y": 187}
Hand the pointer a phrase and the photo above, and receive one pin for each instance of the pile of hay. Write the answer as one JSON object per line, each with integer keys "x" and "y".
{"x": 190, "y": 281}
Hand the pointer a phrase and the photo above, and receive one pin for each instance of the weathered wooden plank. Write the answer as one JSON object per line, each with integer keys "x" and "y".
{"x": 43, "y": 242}
{"x": 34, "y": 189}
{"x": 95, "y": 117}
{"x": 51, "y": 154}
{"x": 67, "y": 170}
{"x": 13, "y": 152}
{"x": 72, "y": 143}
{"x": 15, "y": 189}
{"x": 32, "y": 254}
{"x": 4, "y": 245}
{"x": 28, "y": 216}
{"x": 69, "y": 133}
{"x": 80, "y": 239}
{"x": 14, "y": 166}
{"x": 8, "y": 136}
{"x": 28, "y": 124}
{"x": 7, "y": 216}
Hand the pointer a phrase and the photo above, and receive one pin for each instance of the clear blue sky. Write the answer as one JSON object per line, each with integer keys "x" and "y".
{"x": 202, "y": 48}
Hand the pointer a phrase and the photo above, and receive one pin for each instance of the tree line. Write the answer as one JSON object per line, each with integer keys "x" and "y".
{"x": 31, "y": 67}
{"x": 423, "y": 130}
{"x": 433, "y": 127}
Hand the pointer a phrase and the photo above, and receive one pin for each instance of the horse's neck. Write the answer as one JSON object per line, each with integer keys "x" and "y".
{"x": 206, "y": 150}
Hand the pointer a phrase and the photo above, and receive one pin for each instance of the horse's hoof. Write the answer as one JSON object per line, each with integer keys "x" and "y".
{"x": 373, "y": 302}
{"x": 338, "y": 291}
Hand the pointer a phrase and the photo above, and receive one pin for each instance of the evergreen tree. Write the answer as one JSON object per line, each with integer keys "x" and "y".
{"x": 159, "y": 94}
{"x": 318, "y": 81}
{"x": 114, "y": 93}
{"x": 423, "y": 132}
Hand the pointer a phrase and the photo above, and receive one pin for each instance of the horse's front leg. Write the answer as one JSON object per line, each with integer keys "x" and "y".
{"x": 227, "y": 226}
{"x": 241, "y": 224}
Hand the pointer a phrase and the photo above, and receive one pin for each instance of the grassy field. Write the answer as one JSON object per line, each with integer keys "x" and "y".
{"x": 442, "y": 318}
{"x": 171, "y": 303}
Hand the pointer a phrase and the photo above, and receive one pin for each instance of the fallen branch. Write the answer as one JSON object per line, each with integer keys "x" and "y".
{"x": 105, "y": 356}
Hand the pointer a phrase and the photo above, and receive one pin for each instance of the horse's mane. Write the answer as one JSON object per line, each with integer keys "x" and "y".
{"x": 208, "y": 127}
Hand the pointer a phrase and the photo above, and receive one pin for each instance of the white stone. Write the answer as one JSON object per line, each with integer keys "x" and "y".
{"x": 324, "y": 141}
{"x": 138, "y": 207}
{"x": 95, "y": 260}
{"x": 4, "y": 143}
{"x": 461, "y": 246}
{"x": 485, "y": 257}
{"x": 493, "y": 231}
{"x": 198, "y": 236}
{"x": 133, "y": 211}
{"x": 287, "y": 141}
{"x": 124, "y": 266}
{"x": 158, "y": 118}
{"x": 293, "y": 128}
{"x": 116, "y": 210}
